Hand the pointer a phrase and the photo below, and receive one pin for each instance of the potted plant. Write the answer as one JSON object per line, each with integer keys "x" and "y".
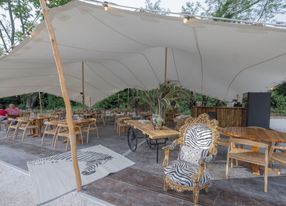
{"x": 160, "y": 100}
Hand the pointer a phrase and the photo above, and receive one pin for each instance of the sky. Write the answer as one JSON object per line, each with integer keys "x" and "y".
{"x": 173, "y": 5}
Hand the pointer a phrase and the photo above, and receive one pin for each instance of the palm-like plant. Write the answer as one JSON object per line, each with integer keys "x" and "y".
{"x": 161, "y": 98}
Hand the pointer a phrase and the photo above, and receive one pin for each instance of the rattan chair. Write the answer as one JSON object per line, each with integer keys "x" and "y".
{"x": 198, "y": 146}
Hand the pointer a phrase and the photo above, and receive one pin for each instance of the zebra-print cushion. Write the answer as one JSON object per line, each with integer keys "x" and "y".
{"x": 197, "y": 141}
{"x": 198, "y": 136}
{"x": 190, "y": 155}
{"x": 181, "y": 173}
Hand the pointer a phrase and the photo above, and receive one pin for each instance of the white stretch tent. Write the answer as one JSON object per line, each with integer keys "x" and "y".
{"x": 126, "y": 49}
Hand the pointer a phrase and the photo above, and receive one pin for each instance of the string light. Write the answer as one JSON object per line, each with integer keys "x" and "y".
{"x": 48, "y": 2}
{"x": 186, "y": 19}
{"x": 29, "y": 34}
{"x": 105, "y": 5}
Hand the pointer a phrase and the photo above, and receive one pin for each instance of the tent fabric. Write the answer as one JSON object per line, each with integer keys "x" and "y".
{"x": 126, "y": 49}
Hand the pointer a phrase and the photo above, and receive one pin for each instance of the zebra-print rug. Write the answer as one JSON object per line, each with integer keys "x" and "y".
{"x": 53, "y": 176}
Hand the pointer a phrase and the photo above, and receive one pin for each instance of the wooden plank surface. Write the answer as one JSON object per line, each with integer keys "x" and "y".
{"x": 148, "y": 129}
{"x": 256, "y": 134}
{"x": 226, "y": 116}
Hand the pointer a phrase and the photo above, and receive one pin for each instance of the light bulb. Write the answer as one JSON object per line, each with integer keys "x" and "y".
{"x": 105, "y": 6}
{"x": 186, "y": 19}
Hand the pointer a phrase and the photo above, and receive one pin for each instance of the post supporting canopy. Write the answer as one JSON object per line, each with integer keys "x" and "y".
{"x": 58, "y": 62}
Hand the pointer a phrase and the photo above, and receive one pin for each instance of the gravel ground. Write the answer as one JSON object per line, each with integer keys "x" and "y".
{"x": 15, "y": 190}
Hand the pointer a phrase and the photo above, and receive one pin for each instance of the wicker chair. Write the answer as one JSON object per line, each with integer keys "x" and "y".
{"x": 198, "y": 146}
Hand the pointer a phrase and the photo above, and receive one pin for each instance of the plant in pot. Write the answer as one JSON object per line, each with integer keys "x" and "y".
{"x": 160, "y": 100}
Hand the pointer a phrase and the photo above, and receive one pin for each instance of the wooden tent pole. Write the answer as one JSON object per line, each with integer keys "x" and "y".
{"x": 82, "y": 83}
{"x": 59, "y": 67}
{"x": 128, "y": 97}
{"x": 41, "y": 105}
{"x": 166, "y": 64}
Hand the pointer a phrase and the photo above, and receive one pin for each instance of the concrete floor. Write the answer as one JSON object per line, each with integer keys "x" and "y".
{"x": 142, "y": 183}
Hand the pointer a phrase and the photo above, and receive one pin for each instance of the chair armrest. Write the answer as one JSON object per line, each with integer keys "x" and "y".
{"x": 279, "y": 147}
{"x": 247, "y": 142}
{"x": 167, "y": 150}
{"x": 203, "y": 163}
{"x": 202, "y": 166}
{"x": 207, "y": 159}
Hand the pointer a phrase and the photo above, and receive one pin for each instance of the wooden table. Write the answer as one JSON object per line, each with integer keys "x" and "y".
{"x": 256, "y": 134}
{"x": 270, "y": 137}
{"x": 39, "y": 122}
{"x": 153, "y": 137}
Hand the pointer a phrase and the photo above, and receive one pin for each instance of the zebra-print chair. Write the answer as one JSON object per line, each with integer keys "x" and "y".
{"x": 198, "y": 146}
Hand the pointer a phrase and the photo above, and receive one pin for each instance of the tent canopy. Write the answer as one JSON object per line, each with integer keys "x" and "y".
{"x": 126, "y": 49}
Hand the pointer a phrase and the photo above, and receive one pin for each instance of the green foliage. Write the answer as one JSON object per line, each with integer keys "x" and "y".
{"x": 144, "y": 100}
{"x": 156, "y": 7}
{"x": 192, "y": 8}
{"x": 209, "y": 101}
{"x": 161, "y": 99}
{"x": 49, "y": 102}
{"x": 252, "y": 10}
{"x": 17, "y": 20}
{"x": 278, "y": 100}
{"x": 120, "y": 100}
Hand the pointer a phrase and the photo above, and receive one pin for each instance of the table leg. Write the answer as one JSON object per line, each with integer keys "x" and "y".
{"x": 157, "y": 147}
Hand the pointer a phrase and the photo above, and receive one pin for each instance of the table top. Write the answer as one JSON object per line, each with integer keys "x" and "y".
{"x": 147, "y": 128}
{"x": 76, "y": 122}
{"x": 255, "y": 134}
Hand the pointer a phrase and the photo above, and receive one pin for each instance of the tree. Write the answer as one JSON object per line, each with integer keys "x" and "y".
{"x": 155, "y": 7}
{"x": 251, "y": 10}
{"x": 17, "y": 20}
{"x": 278, "y": 99}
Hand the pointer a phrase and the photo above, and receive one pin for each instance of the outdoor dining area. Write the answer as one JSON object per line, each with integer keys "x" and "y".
{"x": 133, "y": 107}
{"x": 254, "y": 151}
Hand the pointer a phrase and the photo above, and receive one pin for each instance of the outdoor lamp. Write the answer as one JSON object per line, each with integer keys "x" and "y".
{"x": 105, "y": 5}
{"x": 186, "y": 19}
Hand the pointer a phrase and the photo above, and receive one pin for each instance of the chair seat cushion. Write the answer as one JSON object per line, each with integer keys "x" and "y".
{"x": 182, "y": 172}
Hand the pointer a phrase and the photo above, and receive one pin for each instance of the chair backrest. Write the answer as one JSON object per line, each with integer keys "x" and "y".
{"x": 198, "y": 139}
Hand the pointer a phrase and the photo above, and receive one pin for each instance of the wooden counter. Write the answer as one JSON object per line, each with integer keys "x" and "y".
{"x": 226, "y": 116}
